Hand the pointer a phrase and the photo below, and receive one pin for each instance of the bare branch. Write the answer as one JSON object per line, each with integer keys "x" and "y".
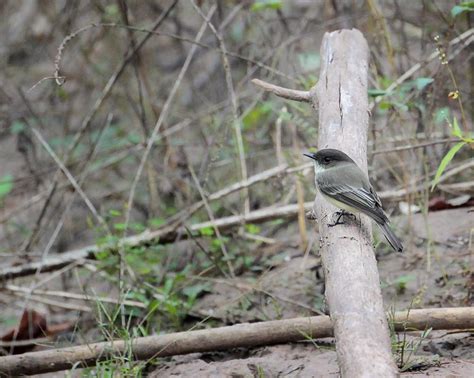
{"x": 233, "y": 100}
{"x": 289, "y": 94}
{"x": 212, "y": 218}
{"x": 161, "y": 119}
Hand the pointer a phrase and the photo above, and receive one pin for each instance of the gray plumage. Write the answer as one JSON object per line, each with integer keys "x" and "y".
{"x": 346, "y": 186}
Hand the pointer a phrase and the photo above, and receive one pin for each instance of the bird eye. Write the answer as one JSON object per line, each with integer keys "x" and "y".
{"x": 327, "y": 160}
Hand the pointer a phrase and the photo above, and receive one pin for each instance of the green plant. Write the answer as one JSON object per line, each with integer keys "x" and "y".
{"x": 399, "y": 97}
{"x": 260, "y": 5}
{"x": 467, "y": 6}
{"x": 464, "y": 139}
{"x": 405, "y": 350}
{"x": 401, "y": 283}
{"x": 6, "y": 186}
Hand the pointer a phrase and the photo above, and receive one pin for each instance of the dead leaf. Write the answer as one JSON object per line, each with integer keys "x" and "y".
{"x": 32, "y": 325}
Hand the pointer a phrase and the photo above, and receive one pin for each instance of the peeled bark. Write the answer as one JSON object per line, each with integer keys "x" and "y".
{"x": 352, "y": 281}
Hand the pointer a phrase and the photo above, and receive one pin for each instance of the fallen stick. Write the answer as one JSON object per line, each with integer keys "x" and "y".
{"x": 164, "y": 235}
{"x": 245, "y": 335}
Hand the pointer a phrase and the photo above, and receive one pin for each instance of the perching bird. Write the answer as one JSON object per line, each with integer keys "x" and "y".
{"x": 342, "y": 183}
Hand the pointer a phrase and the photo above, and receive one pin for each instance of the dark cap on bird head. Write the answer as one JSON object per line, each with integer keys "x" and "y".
{"x": 328, "y": 156}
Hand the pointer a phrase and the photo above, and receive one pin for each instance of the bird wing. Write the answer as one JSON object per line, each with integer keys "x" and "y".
{"x": 359, "y": 194}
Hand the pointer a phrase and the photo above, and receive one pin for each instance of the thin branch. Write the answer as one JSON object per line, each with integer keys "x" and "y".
{"x": 87, "y": 121}
{"x": 70, "y": 177}
{"x": 179, "y": 38}
{"x": 467, "y": 38}
{"x": 168, "y": 234}
{"x": 57, "y": 60}
{"x": 211, "y": 217}
{"x": 306, "y": 96}
{"x": 75, "y": 296}
{"x": 259, "y": 177}
{"x": 51, "y": 302}
{"x": 161, "y": 119}
{"x": 289, "y": 94}
{"x": 233, "y": 100}
{"x": 414, "y": 146}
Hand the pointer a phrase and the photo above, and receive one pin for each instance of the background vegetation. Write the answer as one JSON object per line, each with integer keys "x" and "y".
{"x": 146, "y": 136}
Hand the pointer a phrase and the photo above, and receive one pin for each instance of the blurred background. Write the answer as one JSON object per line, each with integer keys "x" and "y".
{"x": 152, "y": 129}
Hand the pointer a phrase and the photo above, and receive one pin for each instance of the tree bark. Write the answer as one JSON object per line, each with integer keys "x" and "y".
{"x": 240, "y": 335}
{"x": 352, "y": 281}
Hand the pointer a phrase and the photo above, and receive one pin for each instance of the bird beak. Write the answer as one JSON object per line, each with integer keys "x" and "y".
{"x": 311, "y": 156}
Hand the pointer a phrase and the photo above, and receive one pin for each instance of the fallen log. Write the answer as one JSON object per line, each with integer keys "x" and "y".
{"x": 245, "y": 335}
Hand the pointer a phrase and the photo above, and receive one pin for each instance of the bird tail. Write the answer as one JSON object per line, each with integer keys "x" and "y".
{"x": 392, "y": 239}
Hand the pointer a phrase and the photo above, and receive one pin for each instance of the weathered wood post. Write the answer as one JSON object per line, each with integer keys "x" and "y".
{"x": 352, "y": 281}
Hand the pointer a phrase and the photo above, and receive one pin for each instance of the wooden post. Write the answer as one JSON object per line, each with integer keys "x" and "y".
{"x": 352, "y": 280}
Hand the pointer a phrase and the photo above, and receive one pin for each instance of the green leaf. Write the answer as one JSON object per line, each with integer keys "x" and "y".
{"x": 256, "y": 116}
{"x": 111, "y": 13}
{"x": 384, "y": 105}
{"x": 377, "y": 92}
{"x": 422, "y": 82}
{"x": 403, "y": 280}
{"x": 446, "y": 160}
{"x": 207, "y": 231}
{"x": 17, "y": 127}
{"x": 156, "y": 222}
{"x": 456, "y": 129}
{"x": 252, "y": 228}
{"x": 441, "y": 115}
{"x": 115, "y": 213}
{"x": 216, "y": 244}
{"x": 134, "y": 138}
{"x": 6, "y": 185}
{"x": 61, "y": 93}
{"x": 119, "y": 226}
{"x": 467, "y": 6}
{"x": 260, "y": 5}
{"x": 194, "y": 290}
{"x": 139, "y": 227}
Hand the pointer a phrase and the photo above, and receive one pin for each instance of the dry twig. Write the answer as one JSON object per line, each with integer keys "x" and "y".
{"x": 161, "y": 119}
{"x": 289, "y": 94}
{"x": 233, "y": 100}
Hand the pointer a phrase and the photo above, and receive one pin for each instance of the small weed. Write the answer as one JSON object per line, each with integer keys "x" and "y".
{"x": 405, "y": 350}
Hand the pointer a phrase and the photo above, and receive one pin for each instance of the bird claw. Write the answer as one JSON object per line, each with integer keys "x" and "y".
{"x": 341, "y": 214}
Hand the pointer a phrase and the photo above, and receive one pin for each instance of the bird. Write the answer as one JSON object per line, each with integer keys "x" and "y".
{"x": 343, "y": 184}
